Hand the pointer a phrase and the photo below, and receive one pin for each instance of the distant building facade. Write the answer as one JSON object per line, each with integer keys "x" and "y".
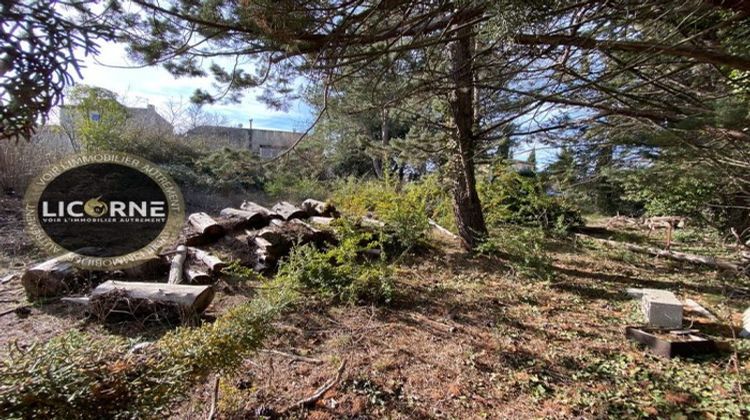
{"x": 138, "y": 118}
{"x": 264, "y": 143}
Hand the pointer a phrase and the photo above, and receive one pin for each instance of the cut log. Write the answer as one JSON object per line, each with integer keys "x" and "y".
{"x": 674, "y": 255}
{"x": 318, "y": 208}
{"x": 50, "y": 278}
{"x": 266, "y": 253}
{"x": 274, "y": 236}
{"x": 243, "y": 219}
{"x": 195, "y": 275}
{"x": 136, "y": 297}
{"x": 289, "y": 211}
{"x": 277, "y": 222}
{"x": 213, "y": 263}
{"x": 311, "y": 234}
{"x": 178, "y": 261}
{"x": 193, "y": 238}
{"x": 205, "y": 225}
{"x": 323, "y": 221}
{"x": 271, "y": 249}
{"x": 257, "y": 208}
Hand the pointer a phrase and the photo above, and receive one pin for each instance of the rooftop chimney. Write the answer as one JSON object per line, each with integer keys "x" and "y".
{"x": 250, "y": 126}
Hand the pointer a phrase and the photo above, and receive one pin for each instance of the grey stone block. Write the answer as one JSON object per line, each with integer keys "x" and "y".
{"x": 662, "y": 310}
{"x": 636, "y": 293}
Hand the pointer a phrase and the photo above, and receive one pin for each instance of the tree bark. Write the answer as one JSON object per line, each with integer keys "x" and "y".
{"x": 381, "y": 163}
{"x": 466, "y": 205}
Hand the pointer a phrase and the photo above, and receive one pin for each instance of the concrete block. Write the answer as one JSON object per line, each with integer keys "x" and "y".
{"x": 745, "y": 333}
{"x": 662, "y": 310}
{"x": 637, "y": 293}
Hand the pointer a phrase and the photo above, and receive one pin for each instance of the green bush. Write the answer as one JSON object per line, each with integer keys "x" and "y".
{"x": 403, "y": 212}
{"x": 343, "y": 273}
{"x": 230, "y": 169}
{"x": 524, "y": 249}
{"x": 434, "y": 195}
{"x": 284, "y": 185}
{"x": 158, "y": 147}
{"x": 512, "y": 198}
{"x": 76, "y": 375}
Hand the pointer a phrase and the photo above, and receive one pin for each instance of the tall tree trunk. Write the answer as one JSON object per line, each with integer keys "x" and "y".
{"x": 382, "y": 164}
{"x": 466, "y": 205}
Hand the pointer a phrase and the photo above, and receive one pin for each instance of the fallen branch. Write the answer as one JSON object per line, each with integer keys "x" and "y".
{"x": 443, "y": 230}
{"x": 212, "y": 413}
{"x": 293, "y": 356}
{"x": 306, "y": 402}
{"x": 8, "y": 278}
{"x": 674, "y": 255}
{"x": 18, "y": 310}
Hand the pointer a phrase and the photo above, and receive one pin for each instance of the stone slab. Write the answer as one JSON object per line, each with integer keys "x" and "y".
{"x": 662, "y": 310}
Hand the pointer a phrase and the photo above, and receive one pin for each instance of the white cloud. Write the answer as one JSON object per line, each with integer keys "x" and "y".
{"x": 154, "y": 85}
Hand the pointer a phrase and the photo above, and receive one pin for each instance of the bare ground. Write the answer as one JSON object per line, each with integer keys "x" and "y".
{"x": 464, "y": 338}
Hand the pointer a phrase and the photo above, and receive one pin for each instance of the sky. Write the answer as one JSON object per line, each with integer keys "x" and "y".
{"x": 155, "y": 86}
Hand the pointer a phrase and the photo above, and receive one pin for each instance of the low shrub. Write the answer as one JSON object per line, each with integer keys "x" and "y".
{"x": 346, "y": 272}
{"x": 283, "y": 185}
{"x": 158, "y": 147}
{"x": 513, "y": 198}
{"x": 403, "y": 212}
{"x": 524, "y": 247}
{"x": 77, "y": 375}
{"x": 229, "y": 169}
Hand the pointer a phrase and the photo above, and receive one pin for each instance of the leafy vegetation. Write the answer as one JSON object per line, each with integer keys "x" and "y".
{"x": 348, "y": 272}
{"x": 513, "y": 198}
{"x": 96, "y": 377}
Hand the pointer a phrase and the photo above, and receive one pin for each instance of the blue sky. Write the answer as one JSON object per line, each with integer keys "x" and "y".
{"x": 154, "y": 85}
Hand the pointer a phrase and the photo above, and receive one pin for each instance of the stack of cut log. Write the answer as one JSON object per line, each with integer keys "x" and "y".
{"x": 268, "y": 234}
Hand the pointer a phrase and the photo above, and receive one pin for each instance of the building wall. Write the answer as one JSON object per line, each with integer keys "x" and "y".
{"x": 264, "y": 143}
